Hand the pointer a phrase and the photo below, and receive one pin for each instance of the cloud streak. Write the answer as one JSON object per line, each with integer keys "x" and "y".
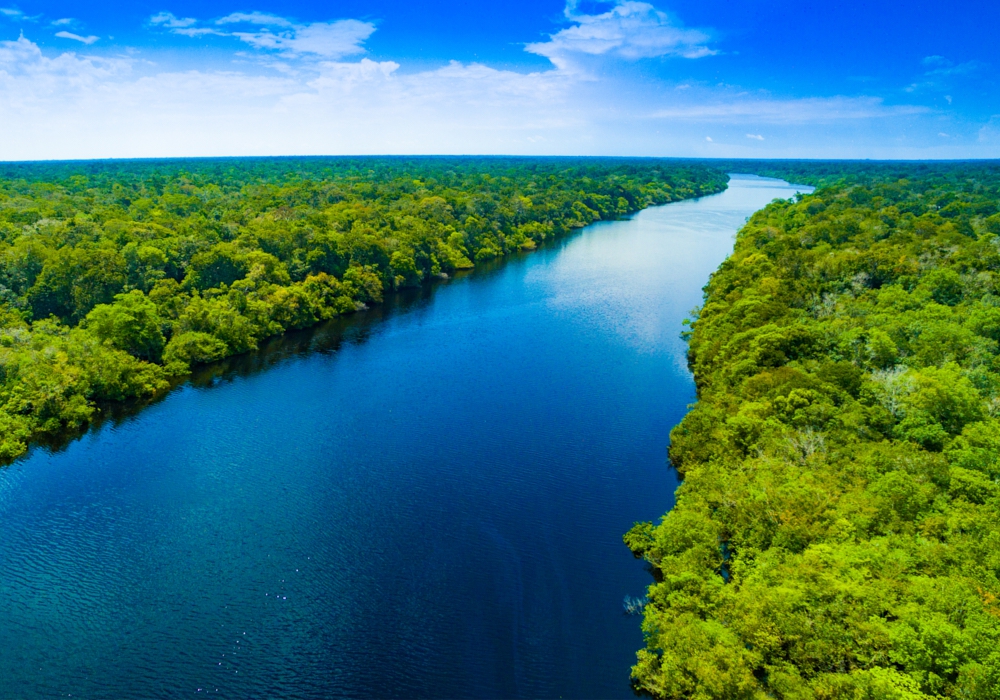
{"x": 939, "y": 73}
{"x": 809, "y": 110}
{"x": 941, "y": 66}
{"x": 169, "y": 21}
{"x": 325, "y": 39}
{"x": 262, "y": 19}
{"x": 268, "y": 32}
{"x": 88, "y": 40}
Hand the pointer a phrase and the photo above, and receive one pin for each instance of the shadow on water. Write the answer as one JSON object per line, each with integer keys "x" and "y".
{"x": 324, "y": 338}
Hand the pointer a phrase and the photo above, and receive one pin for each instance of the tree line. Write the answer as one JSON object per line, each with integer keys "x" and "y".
{"x": 117, "y": 276}
{"x": 837, "y": 531}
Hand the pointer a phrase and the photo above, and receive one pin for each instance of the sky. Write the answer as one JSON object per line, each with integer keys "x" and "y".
{"x": 873, "y": 79}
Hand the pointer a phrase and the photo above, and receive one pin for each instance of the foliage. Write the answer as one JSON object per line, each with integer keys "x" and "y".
{"x": 837, "y": 532}
{"x": 116, "y": 275}
{"x": 132, "y": 323}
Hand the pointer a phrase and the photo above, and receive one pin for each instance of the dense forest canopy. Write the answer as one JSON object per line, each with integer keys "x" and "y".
{"x": 821, "y": 173}
{"x": 837, "y": 533}
{"x": 115, "y": 276}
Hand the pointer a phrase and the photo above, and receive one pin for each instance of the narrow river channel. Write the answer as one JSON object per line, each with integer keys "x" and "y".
{"x": 425, "y": 500}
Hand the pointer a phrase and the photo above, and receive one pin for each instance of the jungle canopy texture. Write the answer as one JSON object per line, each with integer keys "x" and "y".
{"x": 116, "y": 276}
{"x": 837, "y": 532}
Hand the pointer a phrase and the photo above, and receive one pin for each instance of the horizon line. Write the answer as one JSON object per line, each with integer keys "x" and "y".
{"x": 139, "y": 159}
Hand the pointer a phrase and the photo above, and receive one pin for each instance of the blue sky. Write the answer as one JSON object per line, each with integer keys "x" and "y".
{"x": 681, "y": 78}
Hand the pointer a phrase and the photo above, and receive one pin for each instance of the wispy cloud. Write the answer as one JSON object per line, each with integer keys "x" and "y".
{"x": 326, "y": 39}
{"x": 169, "y": 21}
{"x": 262, "y": 19}
{"x": 64, "y": 22}
{"x": 88, "y": 40}
{"x": 939, "y": 65}
{"x": 268, "y": 32}
{"x": 939, "y": 74}
{"x": 630, "y": 30}
{"x": 197, "y": 31}
{"x": 757, "y": 137}
{"x": 810, "y": 110}
{"x": 989, "y": 134}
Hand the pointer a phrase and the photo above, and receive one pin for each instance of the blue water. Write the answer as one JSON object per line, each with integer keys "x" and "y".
{"x": 425, "y": 500}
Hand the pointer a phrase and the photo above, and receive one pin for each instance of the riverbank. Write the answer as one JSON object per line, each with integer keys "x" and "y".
{"x": 117, "y": 277}
{"x": 436, "y": 487}
{"x": 836, "y": 531}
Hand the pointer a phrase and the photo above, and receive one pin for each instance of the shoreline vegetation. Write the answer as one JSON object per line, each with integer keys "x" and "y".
{"x": 836, "y": 534}
{"x": 837, "y": 531}
{"x": 118, "y": 277}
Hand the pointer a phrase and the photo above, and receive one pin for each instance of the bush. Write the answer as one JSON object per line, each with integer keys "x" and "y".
{"x": 132, "y": 323}
{"x": 193, "y": 347}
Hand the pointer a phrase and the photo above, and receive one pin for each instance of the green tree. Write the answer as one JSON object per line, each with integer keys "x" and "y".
{"x": 132, "y": 323}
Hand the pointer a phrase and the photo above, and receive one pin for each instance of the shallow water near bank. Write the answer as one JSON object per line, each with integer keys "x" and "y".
{"x": 425, "y": 500}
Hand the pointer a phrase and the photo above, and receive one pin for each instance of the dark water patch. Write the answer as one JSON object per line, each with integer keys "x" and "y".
{"x": 426, "y": 500}
{"x": 323, "y": 338}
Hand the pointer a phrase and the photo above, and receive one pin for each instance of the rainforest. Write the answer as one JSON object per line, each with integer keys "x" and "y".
{"x": 117, "y": 276}
{"x": 837, "y": 532}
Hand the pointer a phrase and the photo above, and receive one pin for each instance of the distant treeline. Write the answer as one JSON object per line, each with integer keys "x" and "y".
{"x": 837, "y": 533}
{"x": 820, "y": 173}
{"x": 116, "y": 275}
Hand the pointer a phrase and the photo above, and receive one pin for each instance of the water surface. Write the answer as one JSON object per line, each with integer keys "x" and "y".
{"x": 427, "y": 502}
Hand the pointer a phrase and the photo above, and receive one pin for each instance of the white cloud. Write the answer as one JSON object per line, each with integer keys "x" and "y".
{"x": 11, "y": 12}
{"x": 88, "y": 40}
{"x": 23, "y": 58}
{"x": 36, "y": 90}
{"x": 758, "y": 137}
{"x": 72, "y": 106}
{"x": 64, "y": 22}
{"x": 709, "y": 139}
{"x": 630, "y": 30}
{"x": 168, "y": 20}
{"x": 330, "y": 40}
{"x": 341, "y": 76}
{"x": 327, "y": 39}
{"x": 262, "y": 19}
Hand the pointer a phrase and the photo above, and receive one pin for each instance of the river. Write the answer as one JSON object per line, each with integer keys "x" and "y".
{"x": 424, "y": 500}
